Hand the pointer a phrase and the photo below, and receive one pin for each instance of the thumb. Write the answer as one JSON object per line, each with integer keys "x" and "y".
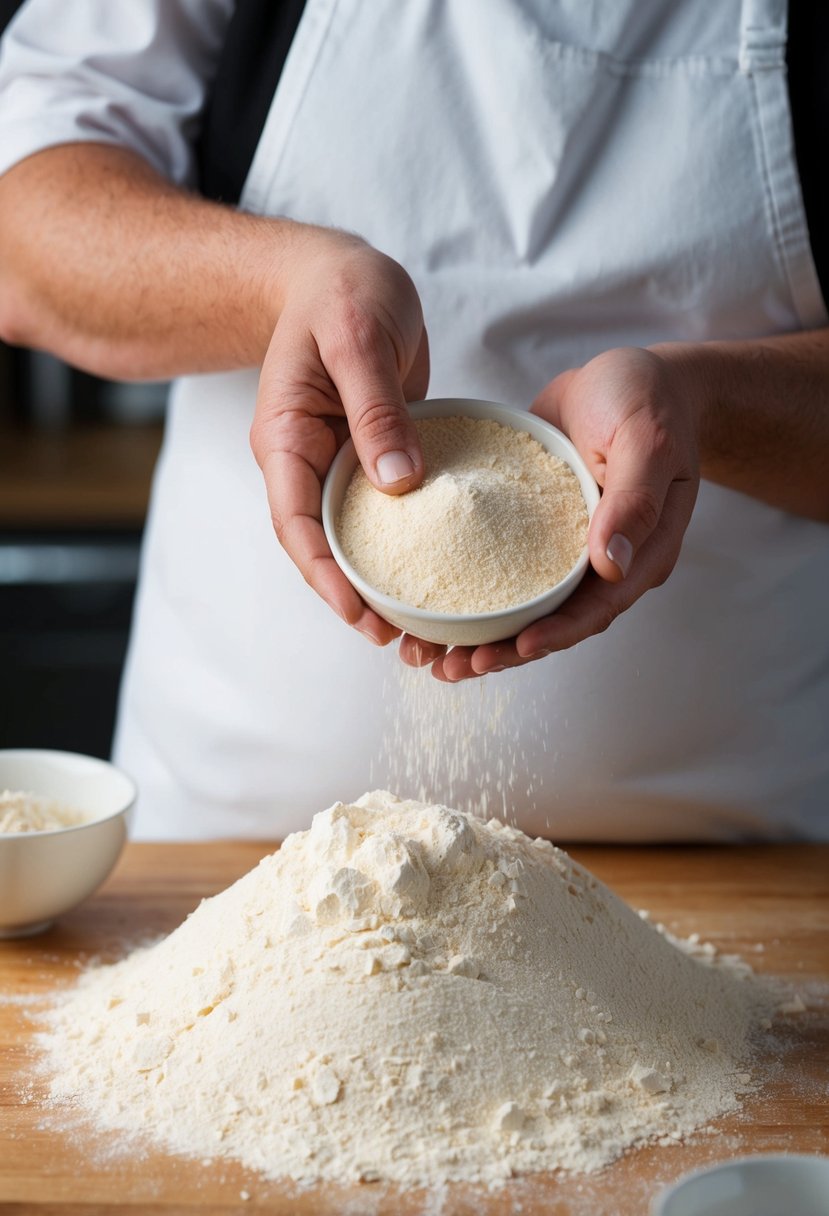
{"x": 637, "y": 479}
{"x": 384, "y": 435}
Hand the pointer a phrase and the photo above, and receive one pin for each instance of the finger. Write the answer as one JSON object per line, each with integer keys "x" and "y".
{"x": 455, "y": 665}
{"x": 293, "y": 489}
{"x": 463, "y": 662}
{"x": 416, "y": 653}
{"x": 596, "y": 603}
{"x": 643, "y": 461}
{"x": 494, "y": 655}
{"x": 438, "y": 672}
{"x": 416, "y": 384}
{"x": 467, "y": 662}
{"x": 497, "y": 656}
{"x": 365, "y": 370}
{"x": 591, "y": 609}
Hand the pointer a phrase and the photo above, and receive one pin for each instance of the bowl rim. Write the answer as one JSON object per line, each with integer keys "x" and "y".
{"x": 61, "y": 754}
{"x": 747, "y": 1163}
{"x": 491, "y": 410}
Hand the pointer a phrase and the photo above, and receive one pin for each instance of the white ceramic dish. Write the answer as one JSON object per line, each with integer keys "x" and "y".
{"x": 445, "y": 628}
{"x": 43, "y": 874}
{"x": 778, "y": 1185}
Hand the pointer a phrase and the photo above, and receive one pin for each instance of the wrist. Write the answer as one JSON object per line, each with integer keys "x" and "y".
{"x": 337, "y": 285}
{"x": 696, "y": 373}
{"x": 307, "y": 255}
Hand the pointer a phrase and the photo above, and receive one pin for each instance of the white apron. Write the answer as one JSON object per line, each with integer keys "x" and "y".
{"x": 558, "y": 178}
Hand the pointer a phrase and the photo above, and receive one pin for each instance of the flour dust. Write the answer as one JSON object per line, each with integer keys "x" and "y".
{"x": 471, "y": 745}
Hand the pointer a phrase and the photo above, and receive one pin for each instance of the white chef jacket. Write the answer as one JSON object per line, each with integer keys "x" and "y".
{"x": 558, "y": 179}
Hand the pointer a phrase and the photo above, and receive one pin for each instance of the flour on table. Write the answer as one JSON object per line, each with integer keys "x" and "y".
{"x": 405, "y": 992}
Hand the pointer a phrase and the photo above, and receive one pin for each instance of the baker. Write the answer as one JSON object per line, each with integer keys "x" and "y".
{"x": 598, "y": 208}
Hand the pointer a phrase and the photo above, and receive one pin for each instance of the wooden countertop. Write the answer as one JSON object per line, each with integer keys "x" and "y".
{"x": 91, "y": 476}
{"x": 768, "y": 903}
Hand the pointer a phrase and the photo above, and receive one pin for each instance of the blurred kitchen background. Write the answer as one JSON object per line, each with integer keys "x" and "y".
{"x": 76, "y": 461}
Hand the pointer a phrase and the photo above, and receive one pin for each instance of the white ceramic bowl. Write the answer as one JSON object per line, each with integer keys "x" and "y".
{"x": 775, "y": 1185}
{"x": 43, "y": 874}
{"x": 441, "y": 627}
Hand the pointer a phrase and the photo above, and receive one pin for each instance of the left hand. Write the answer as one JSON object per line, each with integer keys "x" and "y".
{"x": 634, "y": 416}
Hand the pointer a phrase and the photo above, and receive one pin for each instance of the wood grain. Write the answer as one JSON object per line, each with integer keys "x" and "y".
{"x": 769, "y": 903}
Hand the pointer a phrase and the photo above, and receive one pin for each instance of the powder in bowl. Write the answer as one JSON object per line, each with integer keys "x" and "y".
{"x": 497, "y": 521}
{"x": 21, "y": 811}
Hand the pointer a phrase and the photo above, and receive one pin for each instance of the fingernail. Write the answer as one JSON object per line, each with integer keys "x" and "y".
{"x": 393, "y": 467}
{"x": 620, "y": 552}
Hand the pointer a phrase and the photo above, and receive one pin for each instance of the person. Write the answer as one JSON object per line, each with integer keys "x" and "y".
{"x": 598, "y": 210}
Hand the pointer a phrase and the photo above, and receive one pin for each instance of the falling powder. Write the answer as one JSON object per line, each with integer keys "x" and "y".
{"x": 405, "y": 992}
{"x": 497, "y": 521}
{"x": 473, "y": 745}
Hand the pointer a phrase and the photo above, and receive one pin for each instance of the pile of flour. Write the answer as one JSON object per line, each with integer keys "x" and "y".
{"x": 21, "y": 811}
{"x": 405, "y": 992}
{"x": 497, "y": 521}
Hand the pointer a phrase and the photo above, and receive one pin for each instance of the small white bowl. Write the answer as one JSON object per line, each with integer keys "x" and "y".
{"x": 766, "y": 1185}
{"x": 448, "y": 629}
{"x": 43, "y": 874}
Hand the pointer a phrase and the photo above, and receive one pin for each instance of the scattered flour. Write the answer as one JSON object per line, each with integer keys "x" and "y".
{"x": 24, "y": 812}
{"x": 405, "y": 992}
{"x": 497, "y": 521}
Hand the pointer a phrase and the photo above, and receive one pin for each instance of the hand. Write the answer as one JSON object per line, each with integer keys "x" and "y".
{"x": 634, "y": 416}
{"x": 348, "y": 351}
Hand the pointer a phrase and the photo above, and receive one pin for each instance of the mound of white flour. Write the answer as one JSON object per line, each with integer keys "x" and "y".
{"x": 405, "y": 992}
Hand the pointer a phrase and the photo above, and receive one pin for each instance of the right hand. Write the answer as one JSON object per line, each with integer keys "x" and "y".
{"x": 348, "y": 351}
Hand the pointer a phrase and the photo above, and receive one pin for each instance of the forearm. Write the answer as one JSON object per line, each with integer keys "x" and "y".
{"x": 108, "y": 265}
{"x": 764, "y": 416}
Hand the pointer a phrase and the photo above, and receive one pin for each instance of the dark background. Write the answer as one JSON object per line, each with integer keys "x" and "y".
{"x": 76, "y": 460}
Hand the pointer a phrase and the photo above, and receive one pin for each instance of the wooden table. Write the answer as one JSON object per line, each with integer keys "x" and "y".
{"x": 95, "y": 476}
{"x": 770, "y": 904}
